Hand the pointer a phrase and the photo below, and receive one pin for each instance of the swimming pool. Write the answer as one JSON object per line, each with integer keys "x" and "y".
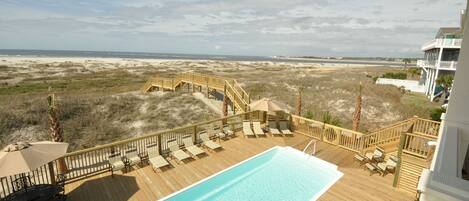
{"x": 280, "y": 173}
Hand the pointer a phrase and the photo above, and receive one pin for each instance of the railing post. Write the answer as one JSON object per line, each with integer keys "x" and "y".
{"x": 159, "y": 143}
{"x": 194, "y": 134}
{"x": 51, "y": 172}
{"x": 399, "y": 156}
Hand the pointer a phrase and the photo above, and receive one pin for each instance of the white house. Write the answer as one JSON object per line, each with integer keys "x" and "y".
{"x": 441, "y": 57}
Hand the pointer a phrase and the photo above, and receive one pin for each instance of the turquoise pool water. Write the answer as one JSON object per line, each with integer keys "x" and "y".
{"x": 281, "y": 173}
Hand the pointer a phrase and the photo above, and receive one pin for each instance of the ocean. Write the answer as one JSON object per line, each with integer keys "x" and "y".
{"x": 147, "y": 55}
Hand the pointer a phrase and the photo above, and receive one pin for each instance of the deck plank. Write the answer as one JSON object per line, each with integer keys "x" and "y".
{"x": 143, "y": 183}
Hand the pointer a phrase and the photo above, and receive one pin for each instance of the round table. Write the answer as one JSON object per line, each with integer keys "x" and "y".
{"x": 35, "y": 193}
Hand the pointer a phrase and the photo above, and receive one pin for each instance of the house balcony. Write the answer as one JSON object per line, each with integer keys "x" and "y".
{"x": 442, "y": 43}
{"x": 444, "y": 65}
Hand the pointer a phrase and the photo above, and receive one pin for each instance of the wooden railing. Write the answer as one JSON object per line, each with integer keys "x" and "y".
{"x": 390, "y": 134}
{"x": 88, "y": 162}
{"x": 342, "y": 137}
{"x": 425, "y": 126}
{"x": 234, "y": 91}
{"x": 417, "y": 144}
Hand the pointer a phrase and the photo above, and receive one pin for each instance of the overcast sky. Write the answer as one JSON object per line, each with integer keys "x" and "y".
{"x": 239, "y": 27}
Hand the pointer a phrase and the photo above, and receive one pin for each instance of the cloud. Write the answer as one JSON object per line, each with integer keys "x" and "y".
{"x": 263, "y": 27}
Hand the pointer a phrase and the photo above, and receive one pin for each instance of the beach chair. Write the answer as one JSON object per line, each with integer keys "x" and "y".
{"x": 209, "y": 143}
{"x": 377, "y": 155}
{"x": 132, "y": 157}
{"x": 360, "y": 158}
{"x": 190, "y": 147}
{"x": 388, "y": 166}
{"x": 372, "y": 168}
{"x": 154, "y": 158}
{"x": 256, "y": 126}
{"x": 115, "y": 163}
{"x": 284, "y": 128}
{"x": 273, "y": 128}
{"x": 175, "y": 151}
{"x": 247, "y": 129}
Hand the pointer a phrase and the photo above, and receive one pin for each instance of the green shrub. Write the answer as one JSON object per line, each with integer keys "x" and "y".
{"x": 435, "y": 114}
{"x": 309, "y": 114}
{"x": 328, "y": 118}
{"x": 401, "y": 76}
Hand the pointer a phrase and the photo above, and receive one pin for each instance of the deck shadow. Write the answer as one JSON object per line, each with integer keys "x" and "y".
{"x": 119, "y": 187}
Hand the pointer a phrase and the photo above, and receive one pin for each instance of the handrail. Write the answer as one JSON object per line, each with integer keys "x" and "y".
{"x": 240, "y": 98}
{"x": 311, "y": 142}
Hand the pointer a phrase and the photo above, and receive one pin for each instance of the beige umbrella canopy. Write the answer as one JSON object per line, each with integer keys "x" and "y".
{"x": 265, "y": 104}
{"x": 22, "y": 157}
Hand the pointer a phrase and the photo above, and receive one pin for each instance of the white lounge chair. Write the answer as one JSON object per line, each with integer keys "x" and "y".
{"x": 377, "y": 155}
{"x": 154, "y": 158}
{"x": 209, "y": 143}
{"x": 273, "y": 128}
{"x": 190, "y": 147}
{"x": 388, "y": 166}
{"x": 132, "y": 156}
{"x": 115, "y": 163}
{"x": 256, "y": 125}
{"x": 247, "y": 129}
{"x": 284, "y": 128}
{"x": 176, "y": 152}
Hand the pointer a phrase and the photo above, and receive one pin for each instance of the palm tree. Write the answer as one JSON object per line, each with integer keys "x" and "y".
{"x": 55, "y": 129}
{"x": 446, "y": 81}
{"x": 358, "y": 108}
{"x": 406, "y": 61}
{"x": 298, "y": 101}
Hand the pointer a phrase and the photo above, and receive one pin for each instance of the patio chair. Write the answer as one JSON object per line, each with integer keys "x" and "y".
{"x": 190, "y": 147}
{"x": 377, "y": 155}
{"x": 60, "y": 181}
{"x": 132, "y": 157}
{"x": 175, "y": 151}
{"x": 388, "y": 166}
{"x": 23, "y": 182}
{"x": 228, "y": 132}
{"x": 273, "y": 128}
{"x": 209, "y": 143}
{"x": 372, "y": 168}
{"x": 115, "y": 163}
{"x": 154, "y": 158}
{"x": 247, "y": 129}
{"x": 256, "y": 125}
{"x": 283, "y": 125}
{"x": 360, "y": 158}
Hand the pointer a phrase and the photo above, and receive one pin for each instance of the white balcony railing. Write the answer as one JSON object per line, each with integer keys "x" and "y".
{"x": 448, "y": 64}
{"x": 422, "y": 63}
{"x": 443, "y": 42}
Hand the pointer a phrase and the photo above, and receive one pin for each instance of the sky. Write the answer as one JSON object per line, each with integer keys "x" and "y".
{"x": 386, "y": 28}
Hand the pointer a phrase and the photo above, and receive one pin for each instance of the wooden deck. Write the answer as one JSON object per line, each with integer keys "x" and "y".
{"x": 144, "y": 184}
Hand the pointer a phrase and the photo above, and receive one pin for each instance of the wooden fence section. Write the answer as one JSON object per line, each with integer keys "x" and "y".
{"x": 230, "y": 87}
{"x": 342, "y": 137}
{"x": 390, "y": 134}
{"x": 92, "y": 161}
{"x": 425, "y": 126}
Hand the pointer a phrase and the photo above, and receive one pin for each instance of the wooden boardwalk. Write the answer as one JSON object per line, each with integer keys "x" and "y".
{"x": 144, "y": 184}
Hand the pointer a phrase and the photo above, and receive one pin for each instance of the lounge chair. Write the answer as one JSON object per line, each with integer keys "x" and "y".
{"x": 256, "y": 125}
{"x": 175, "y": 151}
{"x": 190, "y": 147}
{"x": 372, "y": 168}
{"x": 116, "y": 163}
{"x": 361, "y": 159}
{"x": 209, "y": 143}
{"x": 132, "y": 157}
{"x": 273, "y": 128}
{"x": 247, "y": 129}
{"x": 388, "y": 166}
{"x": 284, "y": 128}
{"x": 377, "y": 155}
{"x": 154, "y": 158}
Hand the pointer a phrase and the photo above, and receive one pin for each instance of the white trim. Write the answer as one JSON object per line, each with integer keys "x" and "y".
{"x": 295, "y": 151}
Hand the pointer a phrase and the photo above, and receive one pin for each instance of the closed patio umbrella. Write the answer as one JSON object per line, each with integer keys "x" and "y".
{"x": 22, "y": 157}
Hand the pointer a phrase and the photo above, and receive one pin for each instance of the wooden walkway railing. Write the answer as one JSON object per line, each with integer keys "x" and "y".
{"x": 230, "y": 87}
